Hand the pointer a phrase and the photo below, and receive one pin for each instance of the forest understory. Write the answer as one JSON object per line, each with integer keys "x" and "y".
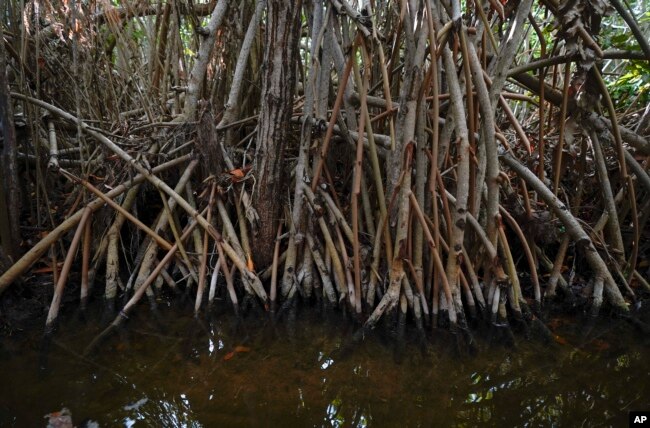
{"x": 465, "y": 166}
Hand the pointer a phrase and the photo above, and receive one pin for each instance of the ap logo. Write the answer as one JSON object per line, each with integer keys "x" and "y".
{"x": 639, "y": 419}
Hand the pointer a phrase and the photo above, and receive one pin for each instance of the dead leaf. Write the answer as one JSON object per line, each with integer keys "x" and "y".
{"x": 239, "y": 174}
{"x": 560, "y": 340}
{"x": 600, "y": 345}
{"x": 48, "y": 268}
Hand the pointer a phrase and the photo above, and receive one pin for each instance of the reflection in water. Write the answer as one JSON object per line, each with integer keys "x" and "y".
{"x": 327, "y": 363}
{"x": 180, "y": 372}
{"x": 176, "y": 413}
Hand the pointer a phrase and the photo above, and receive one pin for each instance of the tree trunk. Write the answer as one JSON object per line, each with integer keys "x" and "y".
{"x": 9, "y": 192}
{"x": 278, "y": 83}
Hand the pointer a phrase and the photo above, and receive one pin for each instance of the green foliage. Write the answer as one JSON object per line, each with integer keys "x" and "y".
{"x": 645, "y": 18}
{"x": 621, "y": 41}
{"x": 635, "y": 81}
{"x": 630, "y": 78}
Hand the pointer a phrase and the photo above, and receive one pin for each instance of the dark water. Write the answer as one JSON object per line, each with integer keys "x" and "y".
{"x": 174, "y": 371}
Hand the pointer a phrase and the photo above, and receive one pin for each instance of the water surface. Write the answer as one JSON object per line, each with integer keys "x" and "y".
{"x": 172, "y": 371}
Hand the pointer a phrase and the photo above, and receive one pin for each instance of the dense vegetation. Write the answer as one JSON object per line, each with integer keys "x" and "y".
{"x": 449, "y": 162}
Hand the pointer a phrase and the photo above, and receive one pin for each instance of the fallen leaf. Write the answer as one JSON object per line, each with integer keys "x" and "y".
{"x": 600, "y": 345}
{"x": 237, "y": 173}
{"x": 228, "y": 356}
{"x": 560, "y": 340}
{"x": 48, "y": 268}
{"x": 242, "y": 349}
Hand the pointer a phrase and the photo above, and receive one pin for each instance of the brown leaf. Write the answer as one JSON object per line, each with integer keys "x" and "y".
{"x": 560, "y": 340}
{"x": 600, "y": 345}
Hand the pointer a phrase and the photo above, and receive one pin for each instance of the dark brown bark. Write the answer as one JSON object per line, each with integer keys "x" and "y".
{"x": 278, "y": 83}
{"x": 10, "y": 192}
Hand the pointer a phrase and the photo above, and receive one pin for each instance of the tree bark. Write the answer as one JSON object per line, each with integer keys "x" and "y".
{"x": 278, "y": 83}
{"x": 10, "y": 190}
{"x": 195, "y": 83}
